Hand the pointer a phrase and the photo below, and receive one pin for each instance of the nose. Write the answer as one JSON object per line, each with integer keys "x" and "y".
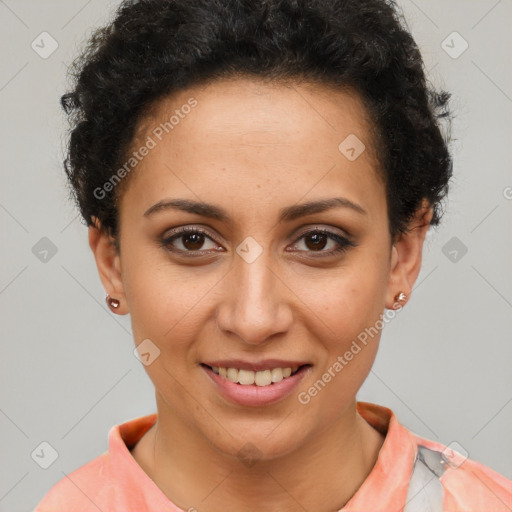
{"x": 255, "y": 303}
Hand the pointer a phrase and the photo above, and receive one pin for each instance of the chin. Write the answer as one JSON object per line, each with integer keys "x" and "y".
{"x": 259, "y": 442}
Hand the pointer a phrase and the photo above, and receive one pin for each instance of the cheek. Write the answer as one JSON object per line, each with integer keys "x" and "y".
{"x": 350, "y": 311}
{"x": 345, "y": 301}
{"x": 347, "y": 323}
{"x": 163, "y": 298}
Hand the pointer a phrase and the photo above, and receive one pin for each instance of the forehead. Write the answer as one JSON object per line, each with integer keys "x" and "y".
{"x": 244, "y": 135}
{"x": 257, "y": 106}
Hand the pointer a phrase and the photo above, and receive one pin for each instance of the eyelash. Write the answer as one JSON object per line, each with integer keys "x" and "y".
{"x": 343, "y": 243}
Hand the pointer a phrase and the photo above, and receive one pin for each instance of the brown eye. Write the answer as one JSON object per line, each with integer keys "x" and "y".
{"x": 193, "y": 241}
{"x": 316, "y": 240}
{"x": 188, "y": 240}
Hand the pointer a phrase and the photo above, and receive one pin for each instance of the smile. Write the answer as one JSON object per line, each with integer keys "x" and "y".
{"x": 259, "y": 378}
{"x": 258, "y": 386}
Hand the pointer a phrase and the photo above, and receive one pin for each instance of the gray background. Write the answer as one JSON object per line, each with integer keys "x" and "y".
{"x": 67, "y": 368}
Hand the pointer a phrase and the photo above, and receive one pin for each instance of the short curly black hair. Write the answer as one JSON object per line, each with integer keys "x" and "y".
{"x": 153, "y": 48}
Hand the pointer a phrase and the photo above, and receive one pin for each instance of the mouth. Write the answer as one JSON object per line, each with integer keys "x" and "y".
{"x": 255, "y": 384}
{"x": 262, "y": 378}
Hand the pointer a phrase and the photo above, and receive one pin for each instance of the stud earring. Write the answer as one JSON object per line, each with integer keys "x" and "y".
{"x": 400, "y": 298}
{"x": 113, "y": 304}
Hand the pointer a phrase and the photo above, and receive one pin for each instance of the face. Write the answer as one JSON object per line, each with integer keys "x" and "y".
{"x": 285, "y": 260}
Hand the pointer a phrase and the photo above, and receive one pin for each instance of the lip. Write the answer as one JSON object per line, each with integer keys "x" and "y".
{"x": 253, "y": 395}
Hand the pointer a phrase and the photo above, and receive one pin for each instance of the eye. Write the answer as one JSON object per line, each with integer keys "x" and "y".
{"x": 317, "y": 239}
{"x": 194, "y": 242}
{"x": 189, "y": 240}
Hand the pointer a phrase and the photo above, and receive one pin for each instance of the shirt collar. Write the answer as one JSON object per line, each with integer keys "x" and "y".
{"x": 386, "y": 486}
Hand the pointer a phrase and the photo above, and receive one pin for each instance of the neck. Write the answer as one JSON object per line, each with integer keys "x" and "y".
{"x": 194, "y": 475}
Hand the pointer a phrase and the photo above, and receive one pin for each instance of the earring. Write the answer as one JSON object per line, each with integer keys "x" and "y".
{"x": 399, "y": 297}
{"x": 113, "y": 304}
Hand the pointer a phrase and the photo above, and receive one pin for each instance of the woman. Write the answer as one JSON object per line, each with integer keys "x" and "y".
{"x": 258, "y": 178}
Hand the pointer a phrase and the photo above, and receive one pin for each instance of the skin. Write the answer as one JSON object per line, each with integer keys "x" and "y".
{"x": 252, "y": 148}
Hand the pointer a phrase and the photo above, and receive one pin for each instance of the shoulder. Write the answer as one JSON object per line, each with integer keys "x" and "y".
{"x": 111, "y": 481}
{"x": 467, "y": 484}
{"x": 106, "y": 483}
{"x": 77, "y": 490}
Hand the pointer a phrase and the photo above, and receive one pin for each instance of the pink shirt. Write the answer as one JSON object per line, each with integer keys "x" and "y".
{"x": 443, "y": 480}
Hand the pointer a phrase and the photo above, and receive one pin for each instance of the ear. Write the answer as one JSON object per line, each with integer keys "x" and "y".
{"x": 108, "y": 262}
{"x": 406, "y": 255}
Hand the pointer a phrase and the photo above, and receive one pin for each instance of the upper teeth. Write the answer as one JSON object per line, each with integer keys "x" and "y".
{"x": 261, "y": 378}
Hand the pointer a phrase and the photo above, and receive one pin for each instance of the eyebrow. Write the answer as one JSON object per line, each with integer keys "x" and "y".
{"x": 286, "y": 214}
